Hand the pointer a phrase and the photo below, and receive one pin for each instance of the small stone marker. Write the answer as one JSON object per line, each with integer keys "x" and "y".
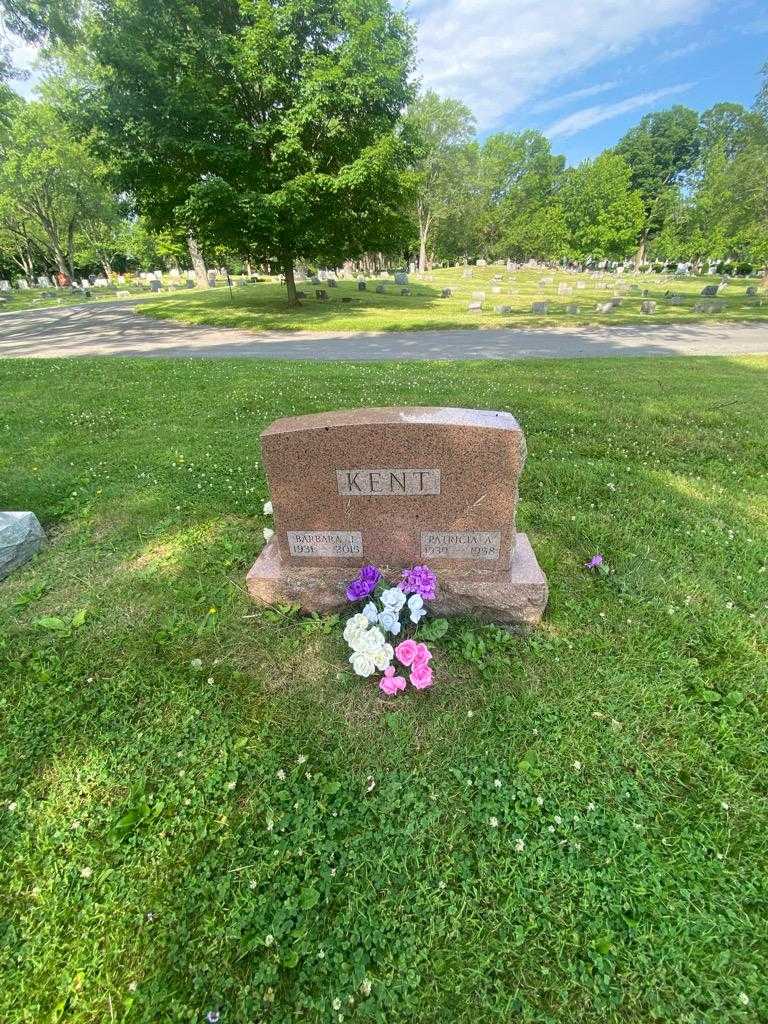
{"x": 564, "y": 289}
{"x": 155, "y": 286}
{"x": 751, "y": 291}
{"x": 503, "y": 310}
{"x": 545, "y": 281}
{"x": 405, "y": 291}
{"x": 401, "y": 277}
{"x": 191, "y": 283}
{"x": 474, "y": 306}
{"x": 21, "y": 537}
{"x": 397, "y": 487}
{"x": 676, "y": 300}
{"x": 331, "y": 282}
{"x": 540, "y": 307}
{"x": 380, "y": 289}
{"x": 446, "y": 293}
{"x": 5, "y": 286}
{"x": 361, "y": 286}
{"x": 605, "y": 307}
{"x": 648, "y": 306}
{"x": 123, "y": 295}
{"x": 321, "y": 293}
{"x": 709, "y": 290}
{"x": 572, "y": 308}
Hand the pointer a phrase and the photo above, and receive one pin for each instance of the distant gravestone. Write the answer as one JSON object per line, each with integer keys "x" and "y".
{"x": 340, "y": 481}
{"x": 751, "y": 291}
{"x": 121, "y": 278}
{"x": 191, "y": 283}
{"x": 405, "y": 291}
{"x": 466, "y": 272}
{"x": 401, "y": 277}
{"x": 546, "y": 281}
{"x": 709, "y": 291}
{"x": 540, "y": 307}
{"x": 648, "y": 306}
{"x": 175, "y": 273}
{"x": 503, "y": 310}
{"x": 331, "y": 282}
{"x": 676, "y": 300}
{"x": 361, "y": 287}
{"x": 446, "y": 293}
{"x": 481, "y": 262}
{"x": 101, "y": 282}
{"x": 44, "y": 281}
{"x": 123, "y": 295}
{"x": 564, "y": 289}
{"x": 475, "y": 306}
{"x": 380, "y": 289}
{"x": 478, "y": 295}
{"x": 21, "y": 537}
{"x": 5, "y": 286}
{"x": 155, "y": 286}
{"x": 572, "y": 309}
{"x": 605, "y": 307}
{"x": 722, "y": 287}
{"x": 158, "y": 275}
{"x": 22, "y": 284}
{"x": 314, "y": 279}
{"x": 321, "y": 293}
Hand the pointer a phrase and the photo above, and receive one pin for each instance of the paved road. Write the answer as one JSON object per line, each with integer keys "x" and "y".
{"x": 112, "y": 328}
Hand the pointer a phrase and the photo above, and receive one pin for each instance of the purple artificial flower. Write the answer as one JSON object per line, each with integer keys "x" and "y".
{"x": 419, "y": 580}
{"x": 365, "y": 583}
{"x": 594, "y": 562}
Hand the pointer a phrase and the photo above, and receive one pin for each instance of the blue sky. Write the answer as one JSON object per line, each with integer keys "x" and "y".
{"x": 584, "y": 71}
{"x": 581, "y": 71}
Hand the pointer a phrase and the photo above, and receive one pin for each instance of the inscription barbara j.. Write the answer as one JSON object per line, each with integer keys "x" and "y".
{"x": 470, "y": 544}
{"x": 325, "y": 543}
{"x": 388, "y": 482}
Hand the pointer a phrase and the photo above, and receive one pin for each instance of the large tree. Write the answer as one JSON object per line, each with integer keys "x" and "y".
{"x": 50, "y": 186}
{"x": 443, "y": 130}
{"x": 602, "y": 211}
{"x": 269, "y": 127}
{"x": 660, "y": 151}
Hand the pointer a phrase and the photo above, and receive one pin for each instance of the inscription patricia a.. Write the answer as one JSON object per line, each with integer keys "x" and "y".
{"x": 325, "y": 543}
{"x": 470, "y": 544}
{"x": 389, "y": 482}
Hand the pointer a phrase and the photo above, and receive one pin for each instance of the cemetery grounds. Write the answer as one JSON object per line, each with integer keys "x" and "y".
{"x": 205, "y": 816}
{"x": 263, "y": 307}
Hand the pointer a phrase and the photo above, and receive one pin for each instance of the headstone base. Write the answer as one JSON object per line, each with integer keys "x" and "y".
{"x": 516, "y": 599}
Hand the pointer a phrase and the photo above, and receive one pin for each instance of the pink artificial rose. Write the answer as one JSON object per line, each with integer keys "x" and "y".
{"x": 407, "y": 651}
{"x": 390, "y": 683}
{"x": 423, "y": 655}
{"x": 421, "y": 676}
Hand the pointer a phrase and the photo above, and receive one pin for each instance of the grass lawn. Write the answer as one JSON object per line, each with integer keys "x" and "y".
{"x": 33, "y": 298}
{"x": 262, "y": 307}
{"x": 202, "y": 810}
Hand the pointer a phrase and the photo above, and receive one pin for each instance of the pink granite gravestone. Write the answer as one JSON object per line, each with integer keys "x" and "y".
{"x": 396, "y": 487}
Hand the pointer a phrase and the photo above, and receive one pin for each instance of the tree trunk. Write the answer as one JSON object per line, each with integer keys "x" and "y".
{"x": 290, "y": 283}
{"x": 106, "y": 267}
{"x": 423, "y": 235}
{"x": 198, "y": 263}
{"x": 640, "y": 255}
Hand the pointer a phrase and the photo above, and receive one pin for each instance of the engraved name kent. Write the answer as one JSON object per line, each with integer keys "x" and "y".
{"x": 387, "y": 482}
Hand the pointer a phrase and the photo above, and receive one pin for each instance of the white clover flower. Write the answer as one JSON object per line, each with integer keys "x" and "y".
{"x": 270, "y": 825}
{"x": 497, "y": 783}
{"x": 389, "y": 622}
{"x": 337, "y": 1004}
{"x": 269, "y": 940}
{"x": 196, "y": 664}
{"x": 493, "y": 822}
{"x": 577, "y": 766}
{"x": 86, "y": 872}
{"x": 540, "y": 801}
{"x": 393, "y": 599}
{"x": 362, "y": 663}
{"x": 12, "y": 806}
{"x": 725, "y": 806}
{"x": 301, "y": 759}
{"x": 365, "y": 987}
{"x": 267, "y": 534}
{"x": 371, "y": 612}
{"x": 743, "y": 998}
{"x": 280, "y": 774}
{"x": 267, "y": 508}
{"x": 519, "y": 846}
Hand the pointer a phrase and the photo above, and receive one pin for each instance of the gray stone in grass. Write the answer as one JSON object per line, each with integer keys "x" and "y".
{"x": 475, "y": 306}
{"x": 331, "y": 282}
{"x": 361, "y": 286}
{"x": 502, "y": 309}
{"x": 21, "y": 537}
{"x": 572, "y": 309}
{"x": 676, "y": 300}
{"x": 446, "y": 293}
{"x": 540, "y": 307}
{"x": 605, "y": 307}
{"x": 648, "y": 306}
{"x": 380, "y": 289}
{"x": 405, "y": 291}
{"x": 709, "y": 290}
{"x": 401, "y": 277}
{"x": 751, "y": 291}
{"x": 321, "y": 293}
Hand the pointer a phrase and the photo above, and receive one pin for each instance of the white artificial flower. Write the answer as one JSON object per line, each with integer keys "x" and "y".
{"x": 267, "y": 533}
{"x": 382, "y": 656}
{"x": 371, "y": 612}
{"x": 267, "y": 508}
{"x": 362, "y": 663}
{"x": 371, "y": 640}
{"x": 393, "y": 599}
{"x": 416, "y": 607}
{"x": 355, "y": 627}
{"x": 389, "y": 622}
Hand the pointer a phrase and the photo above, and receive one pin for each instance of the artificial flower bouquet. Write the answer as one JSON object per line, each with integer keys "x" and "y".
{"x": 388, "y": 613}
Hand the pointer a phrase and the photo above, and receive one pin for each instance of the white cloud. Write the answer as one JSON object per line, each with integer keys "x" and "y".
{"x": 24, "y": 57}
{"x": 589, "y": 116}
{"x": 497, "y": 56}
{"x": 568, "y": 97}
